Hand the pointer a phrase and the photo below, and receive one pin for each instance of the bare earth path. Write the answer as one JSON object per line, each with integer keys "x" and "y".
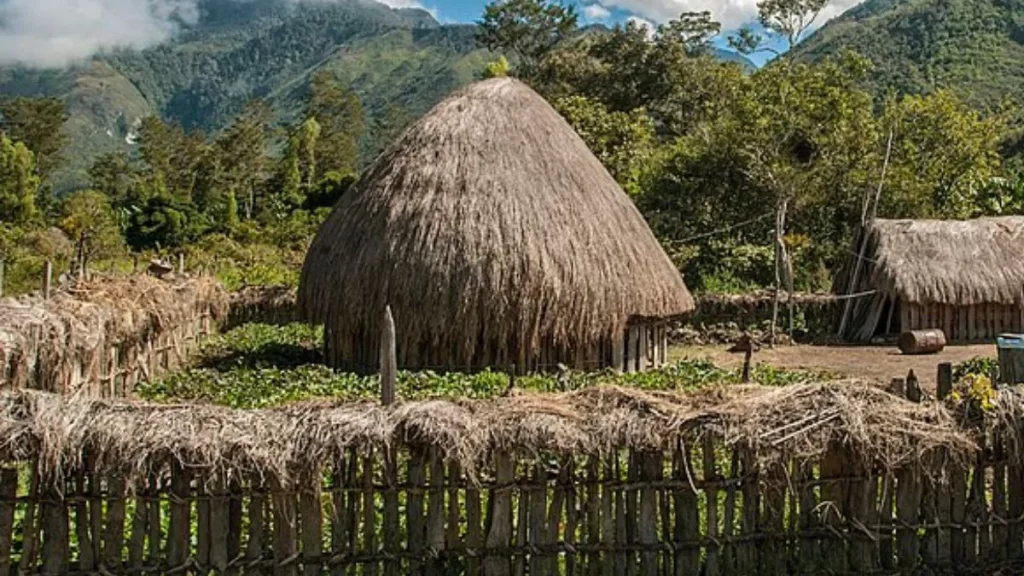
{"x": 879, "y": 363}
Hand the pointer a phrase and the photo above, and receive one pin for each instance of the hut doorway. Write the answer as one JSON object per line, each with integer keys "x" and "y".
{"x": 889, "y": 322}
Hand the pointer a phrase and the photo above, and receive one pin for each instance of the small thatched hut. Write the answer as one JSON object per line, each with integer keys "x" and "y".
{"x": 963, "y": 277}
{"x": 497, "y": 238}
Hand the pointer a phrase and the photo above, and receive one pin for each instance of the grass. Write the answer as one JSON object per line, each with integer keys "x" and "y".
{"x": 259, "y": 366}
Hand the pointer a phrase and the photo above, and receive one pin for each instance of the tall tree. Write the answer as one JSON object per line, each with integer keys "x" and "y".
{"x": 19, "y": 182}
{"x": 788, "y": 21}
{"x": 89, "y": 220}
{"x": 527, "y": 30}
{"x": 39, "y": 124}
{"x": 243, "y": 146}
{"x": 339, "y": 113}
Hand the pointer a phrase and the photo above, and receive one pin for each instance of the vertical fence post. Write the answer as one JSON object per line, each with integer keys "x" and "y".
{"x": 388, "y": 360}
{"x": 47, "y": 279}
{"x": 944, "y": 380}
{"x": 181, "y": 263}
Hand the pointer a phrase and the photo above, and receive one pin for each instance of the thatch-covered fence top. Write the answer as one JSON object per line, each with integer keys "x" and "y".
{"x": 953, "y": 262}
{"x": 775, "y": 424}
{"x": 489, "y": 220}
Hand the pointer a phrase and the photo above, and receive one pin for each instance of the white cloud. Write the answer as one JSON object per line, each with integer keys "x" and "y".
{"x": 596, "y": 12}
{"x": 52, "y": 33}
{"x": 57, "y": 33}
{"x": 731, "y": 13}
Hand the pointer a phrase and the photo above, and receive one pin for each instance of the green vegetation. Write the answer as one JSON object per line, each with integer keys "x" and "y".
{"x": 258, "y": 366}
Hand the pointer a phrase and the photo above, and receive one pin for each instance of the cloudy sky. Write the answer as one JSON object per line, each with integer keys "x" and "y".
{"x": 54, "y": 33}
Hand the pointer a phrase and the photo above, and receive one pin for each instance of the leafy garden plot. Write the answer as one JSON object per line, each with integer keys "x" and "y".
{"x": 258, "y": 365}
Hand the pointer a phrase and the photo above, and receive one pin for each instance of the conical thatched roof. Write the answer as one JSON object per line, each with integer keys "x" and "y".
{"x": 488, "y": 223}
{"x": 952, "y": 262}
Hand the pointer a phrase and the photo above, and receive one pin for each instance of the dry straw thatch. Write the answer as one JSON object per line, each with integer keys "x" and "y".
{"x": 492, "y": 232}
{"x": 47, "y": 344}
{"x": 284, "y": 444}
{"x": 953, "y": 262}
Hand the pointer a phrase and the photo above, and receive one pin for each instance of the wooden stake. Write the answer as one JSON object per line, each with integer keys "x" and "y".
{"x": 47, "y": 279}
{"x": 945, "y": 380}
{"x": 181, "y": 263}
{"x": 388, "y": 360}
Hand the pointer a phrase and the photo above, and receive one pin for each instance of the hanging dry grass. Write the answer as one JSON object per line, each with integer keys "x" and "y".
{"x": 492, "y": 231}
{"x": 775, "y": 424}
{"x": 44, "y": 343}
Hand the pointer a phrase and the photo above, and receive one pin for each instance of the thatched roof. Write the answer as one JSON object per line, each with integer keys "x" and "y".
{"x": 775, "y": 423}
{"x": 489, "y": 220}
{"x": 946, "y": 261}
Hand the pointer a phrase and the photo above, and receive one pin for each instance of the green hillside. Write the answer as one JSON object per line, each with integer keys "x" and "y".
{"x": 205, "y": 77}
{"x": 975, "y": 47}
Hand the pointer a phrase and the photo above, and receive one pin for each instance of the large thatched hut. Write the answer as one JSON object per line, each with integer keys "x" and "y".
{"x": 964, "y": 277}
{"x": 497, "y": 238}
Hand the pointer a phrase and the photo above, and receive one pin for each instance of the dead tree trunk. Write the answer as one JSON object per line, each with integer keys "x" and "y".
{"x": 781, "y": 262}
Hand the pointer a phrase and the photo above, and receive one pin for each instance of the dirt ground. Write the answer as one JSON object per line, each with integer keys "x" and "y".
{"x": 878, "y": 363}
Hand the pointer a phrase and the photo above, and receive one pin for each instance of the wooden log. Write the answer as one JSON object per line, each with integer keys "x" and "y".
{"x": 711, "y": 477}
{"x": 687, "y": 507}
{"x": 922, "y": 342}
{"x": 833, "y": 491}
{"x": 392, "y": 529}
{"x": 499, "y": 530}
{"x": 255, "y": 542}
{"x": 113, "y": 537}
{"x": 644, "y": 337}
{"x": 631, "y": 496}
{"x": 999, "y": 511}
{"x": 203, "y": 535}
{"x": 556, "y": 511}
{"x": 522, "y": 526}
{"x": 1015, "y": 484}
{"x": 474, "y": 531}
{"x": 886, "y": 538}
{"x": 417, "y": 476}
{"x": 572, "y": 516}
{"x": 436, "y": 536}
{"x": 235, "y": 515}
{"x": 772, "y": 549}
{"x": 339, "y": 520}
{"x": 369, "y": 511}
{"x": 609, "y": 523}
{"x": 747, "y": 554}
{"x": 623, "y": 560}
{"x": 958, "y": 516}
{"x": 729, "y": 515}
{"x": 137, "y": 540}
{"x": 30, "y": 528}
{"x": 809, "y": 560}
{"x": 592, "y": 507}
{"x": 178, "y": 541}
{"x": 650, "y": 471}
{"x": 311, "y": 524}
{"x": 56, "y": 555}
{"x": 908, "y": 508}
{"x": 285, "y": 530}
{"x": 86, "y": 557}
{"x": 8, "y": 493}
{"x": 537, "y": 533}
{"x": 862, "y": 497}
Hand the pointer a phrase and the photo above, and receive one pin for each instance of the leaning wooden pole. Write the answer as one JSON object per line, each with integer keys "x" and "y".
{"x": 388, "y": 360}
{"x": 47, "y": 279}
{"x": 855, "y": 277}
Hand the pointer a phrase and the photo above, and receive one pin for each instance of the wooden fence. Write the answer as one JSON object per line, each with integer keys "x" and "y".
{"x": 705, "y": 508}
